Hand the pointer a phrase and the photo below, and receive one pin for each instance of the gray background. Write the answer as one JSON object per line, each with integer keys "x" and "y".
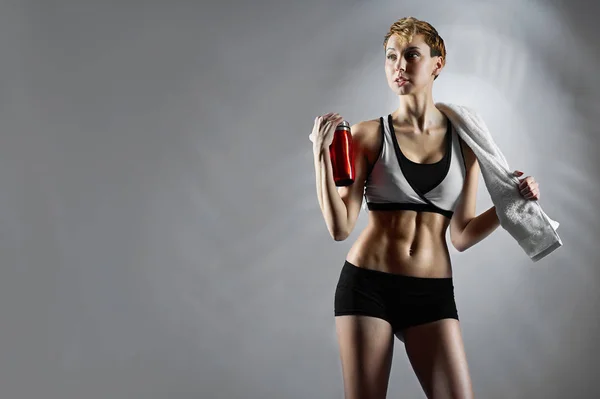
{"x": 160, "y": 232}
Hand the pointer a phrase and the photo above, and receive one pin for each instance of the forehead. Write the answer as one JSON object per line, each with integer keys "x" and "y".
{"x": 399, "y": 43}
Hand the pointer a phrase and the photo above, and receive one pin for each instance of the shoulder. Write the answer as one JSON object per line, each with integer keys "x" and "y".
{"x": 367, "y": 131}
{"x": 461, "y": 111}
{"x": 367, "y": 134}
{"x": 458, "y": 110}
{"x": 463, "y": 114}
{"x": 366, "y": 126}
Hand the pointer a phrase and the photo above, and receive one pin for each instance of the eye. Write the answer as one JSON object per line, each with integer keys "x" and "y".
{"x": 408, "y": 55}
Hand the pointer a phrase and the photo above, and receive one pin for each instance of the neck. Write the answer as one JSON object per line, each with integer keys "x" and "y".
{"x": 417, "y": 111}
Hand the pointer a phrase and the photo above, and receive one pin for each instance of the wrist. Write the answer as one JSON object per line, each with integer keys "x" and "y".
{"x": 319, "y": 148}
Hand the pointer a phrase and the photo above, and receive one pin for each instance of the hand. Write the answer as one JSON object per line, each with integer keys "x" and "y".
{"x": 324, "y": 129}
{"x": 528, "y": 187}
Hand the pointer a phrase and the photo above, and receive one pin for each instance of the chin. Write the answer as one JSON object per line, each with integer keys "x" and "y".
{"x": 403, "y": 91}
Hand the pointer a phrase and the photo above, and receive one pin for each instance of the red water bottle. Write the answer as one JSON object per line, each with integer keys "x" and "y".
{"x": 342, "y": 155}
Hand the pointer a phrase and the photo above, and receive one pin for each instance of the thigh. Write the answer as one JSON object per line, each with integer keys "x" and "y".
{"x": 366, "y": 348}
{"x": 437, "y": 355}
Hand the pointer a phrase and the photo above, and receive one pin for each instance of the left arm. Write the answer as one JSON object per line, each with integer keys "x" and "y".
{"x": 476, "y": 230}
{"x": 466, "y": 229}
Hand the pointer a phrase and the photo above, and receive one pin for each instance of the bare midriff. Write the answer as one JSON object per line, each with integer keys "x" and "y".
{"x": 404, "y": 242}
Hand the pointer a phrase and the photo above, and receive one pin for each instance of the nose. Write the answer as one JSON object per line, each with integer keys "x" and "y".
{"x": 401, "y": 64}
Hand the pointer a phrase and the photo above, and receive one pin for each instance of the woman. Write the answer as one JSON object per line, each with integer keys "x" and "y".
{"x": 418, "y": 178}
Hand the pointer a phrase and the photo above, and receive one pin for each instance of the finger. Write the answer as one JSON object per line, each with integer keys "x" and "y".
{"x": 532, "y": 195}
{"x": 525, "y": 181}
{"x": 527, "y": 189}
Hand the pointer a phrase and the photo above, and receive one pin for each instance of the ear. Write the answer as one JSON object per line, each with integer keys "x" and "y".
{"x": 439, "y": 65}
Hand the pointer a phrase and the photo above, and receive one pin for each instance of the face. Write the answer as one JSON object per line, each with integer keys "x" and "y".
{"x": 412, "y": 63}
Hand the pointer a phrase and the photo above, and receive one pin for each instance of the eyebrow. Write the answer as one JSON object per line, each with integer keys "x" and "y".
{"x": 408, "y": 48}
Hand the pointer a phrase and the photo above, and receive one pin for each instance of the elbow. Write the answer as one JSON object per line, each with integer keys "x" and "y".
{"x": 339, "y": 237}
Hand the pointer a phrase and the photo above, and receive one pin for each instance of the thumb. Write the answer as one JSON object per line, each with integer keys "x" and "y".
{"x": 517, "y": 173}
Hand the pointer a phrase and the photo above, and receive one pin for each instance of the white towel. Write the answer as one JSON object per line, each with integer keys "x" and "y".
{"x": 523, "y": 219}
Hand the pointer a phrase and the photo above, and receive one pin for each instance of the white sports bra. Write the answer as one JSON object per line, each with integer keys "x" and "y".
{"x": 397, "y": 183}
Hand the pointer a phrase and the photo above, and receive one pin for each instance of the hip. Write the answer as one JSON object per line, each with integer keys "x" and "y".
{"x": 394, "y": 288}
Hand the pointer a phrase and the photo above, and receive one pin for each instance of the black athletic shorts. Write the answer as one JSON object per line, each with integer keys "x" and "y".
{"x": 403, "y": 301}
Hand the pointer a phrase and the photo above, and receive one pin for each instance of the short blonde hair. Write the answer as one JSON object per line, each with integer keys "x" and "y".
{"x": 409, "y": 26}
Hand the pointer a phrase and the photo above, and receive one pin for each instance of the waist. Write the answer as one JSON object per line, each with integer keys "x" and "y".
{"x": 404, "y": 242}
{"x": 350, "y": 271}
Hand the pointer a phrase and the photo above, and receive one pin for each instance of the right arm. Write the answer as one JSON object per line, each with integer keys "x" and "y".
{"x": 341, "y": 205}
